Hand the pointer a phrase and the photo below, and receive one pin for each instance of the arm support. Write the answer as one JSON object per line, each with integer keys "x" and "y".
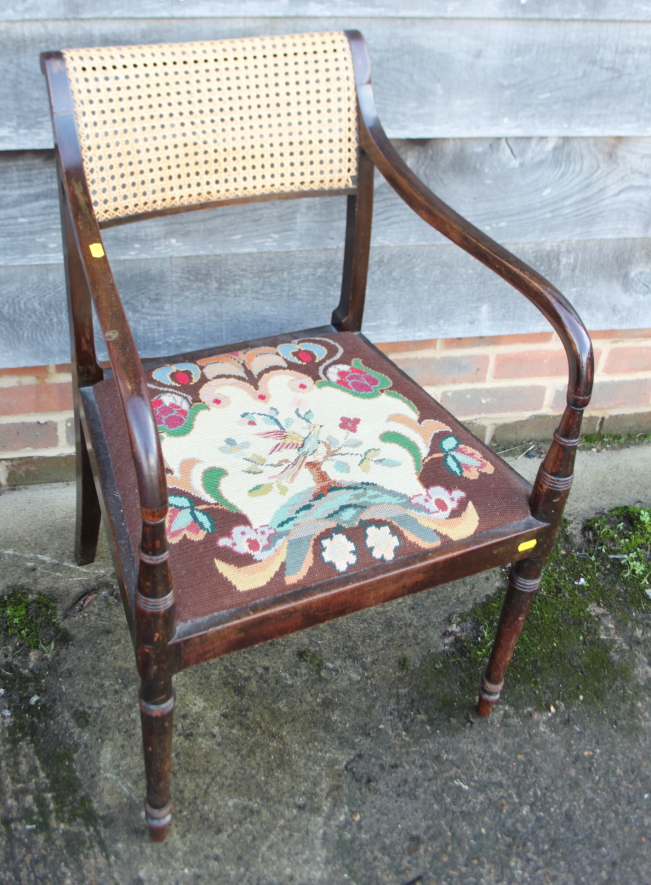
{"x": 127, "y": 368}
{"x": 549, "y": 301}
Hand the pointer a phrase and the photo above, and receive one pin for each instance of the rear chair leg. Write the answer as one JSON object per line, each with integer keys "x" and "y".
{"x": 157, "y": 713}
{"x": 89, "y": 514}
{"x": 524, "y": 580}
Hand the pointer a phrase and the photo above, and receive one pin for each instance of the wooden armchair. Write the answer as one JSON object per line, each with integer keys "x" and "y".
{"x": 256, "y": 489}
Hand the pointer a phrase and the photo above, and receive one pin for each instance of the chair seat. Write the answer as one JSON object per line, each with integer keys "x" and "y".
{"x": 296, "y": 462}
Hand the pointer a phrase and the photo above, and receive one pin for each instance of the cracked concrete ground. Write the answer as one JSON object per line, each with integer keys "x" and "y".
{"x": 314, "y": 759}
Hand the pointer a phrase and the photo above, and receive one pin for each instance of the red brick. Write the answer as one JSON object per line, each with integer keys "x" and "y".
{"x": 495, "y": 340}
{"x": 494, "y": 400}
{"x": 445, "y": 370}
{"x": 532, "y": 364}
{"x": 25, "y": 372}
{"x": 28, "y": 435}
{"x": 407, "y": 346}
{"x": 613, "y": 394}
{"x": 23, "y": 399}
{"x": 623, "y": 360}
{"x": 620, "y": 334}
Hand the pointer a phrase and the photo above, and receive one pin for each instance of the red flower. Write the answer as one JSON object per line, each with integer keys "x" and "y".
{"x": 169, "y": 414}
{"x": 356, "y": 379}
{"x": 349, "y": 424}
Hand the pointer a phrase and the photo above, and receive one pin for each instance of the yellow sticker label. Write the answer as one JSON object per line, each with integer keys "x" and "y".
{"x": 527, "y": 545}
{"x": 97, "y": 250}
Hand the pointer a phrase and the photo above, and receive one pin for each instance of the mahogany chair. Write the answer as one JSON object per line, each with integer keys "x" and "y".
{"x": 256, "y": 489}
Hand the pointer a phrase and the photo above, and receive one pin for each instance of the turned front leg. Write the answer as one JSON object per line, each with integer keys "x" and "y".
{"x": 524, "y": 580}
{"x": 157, "y": 714}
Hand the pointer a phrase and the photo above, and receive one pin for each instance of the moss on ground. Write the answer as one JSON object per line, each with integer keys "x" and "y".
{"x": 29, "y": 623}
{"x": 593, "y": 586}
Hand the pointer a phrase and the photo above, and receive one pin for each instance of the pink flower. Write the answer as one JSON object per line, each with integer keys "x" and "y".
{"x": 171, "y": 411}
{"x": 349, "y": 424}
{"x": 245, "y": 539}
{"x": 352, "y": 378}
{"x": 438, "y": 501}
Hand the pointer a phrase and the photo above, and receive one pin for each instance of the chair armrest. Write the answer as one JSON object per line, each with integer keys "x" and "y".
{"x": 549, "y": 301}
{"x": 122, "y": 351}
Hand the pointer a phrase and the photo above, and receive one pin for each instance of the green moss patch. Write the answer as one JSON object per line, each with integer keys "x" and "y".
{"x": 28, "y": 623}
{"x": 32, "y": 621}
{"x": 593, "y": 587}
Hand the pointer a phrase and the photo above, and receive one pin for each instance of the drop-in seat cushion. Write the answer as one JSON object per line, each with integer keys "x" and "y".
{"x": 292, "y": 464}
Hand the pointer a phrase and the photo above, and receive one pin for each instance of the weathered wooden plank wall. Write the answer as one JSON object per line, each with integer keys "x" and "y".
{"x": 533, "y": 119}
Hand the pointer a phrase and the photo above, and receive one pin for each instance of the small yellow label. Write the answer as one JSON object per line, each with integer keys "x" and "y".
{"x": 97, "y": 250}
{"x": 527, "y": 545}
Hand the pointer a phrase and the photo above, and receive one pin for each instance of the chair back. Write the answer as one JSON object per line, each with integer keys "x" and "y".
{"x": 172, "y": 125}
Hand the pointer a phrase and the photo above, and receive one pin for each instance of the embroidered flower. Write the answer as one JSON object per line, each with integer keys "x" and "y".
{"x": 381, "y": 542}
{"x": 245, "y": 539}
{"x": 179, "y": 375}
{"x": 185, "y": 520}
{"x": 170, "y": 410}
{"x": 338, "y": 550}
{"x": 349, "y": 424}
{"x": 303, "y": 352}
{"x": 232, "y": 447}
{"x": 463, "y": 460}
{"x": 438, "y": 501}
{"x": 352, "y": 378}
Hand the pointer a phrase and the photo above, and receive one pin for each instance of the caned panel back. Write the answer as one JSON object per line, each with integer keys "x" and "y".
{"x": 170, "y": 125}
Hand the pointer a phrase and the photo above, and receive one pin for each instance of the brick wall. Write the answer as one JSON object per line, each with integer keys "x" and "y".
{"x": 507, "y": 389}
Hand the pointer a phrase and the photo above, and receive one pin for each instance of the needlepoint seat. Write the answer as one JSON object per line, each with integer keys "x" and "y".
{"x": 255, "y": 489}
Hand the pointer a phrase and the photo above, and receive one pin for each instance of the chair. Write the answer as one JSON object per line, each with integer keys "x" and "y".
{"x": 256, "y": 489}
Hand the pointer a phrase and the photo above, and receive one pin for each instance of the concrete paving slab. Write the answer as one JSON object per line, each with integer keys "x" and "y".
{"x": 313, "y": 759}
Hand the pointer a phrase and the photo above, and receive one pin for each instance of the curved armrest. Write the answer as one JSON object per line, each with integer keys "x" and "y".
{"x": 122, "y": 351}
{"x": 549, "y": 301}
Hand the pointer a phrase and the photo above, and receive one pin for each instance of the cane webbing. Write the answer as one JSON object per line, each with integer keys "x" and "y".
{"x": 175, "y": 124}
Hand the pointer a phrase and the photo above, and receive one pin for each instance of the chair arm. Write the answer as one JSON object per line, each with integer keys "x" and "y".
{"x": 549, "y": 301}
{"x": 122, "y": 351}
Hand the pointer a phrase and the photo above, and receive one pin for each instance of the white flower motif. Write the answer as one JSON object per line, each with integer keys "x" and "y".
{"x": 381, "y": 542}
{"x": 338, "y": 550}
{"x": 245, "y": 539}
{"x": 439, "y": 501}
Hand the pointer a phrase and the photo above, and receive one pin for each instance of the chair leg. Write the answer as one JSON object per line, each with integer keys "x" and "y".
{"x": 524, "y": 580}
{"x": 157, "y": 713}
{"x": 89, "y": 514}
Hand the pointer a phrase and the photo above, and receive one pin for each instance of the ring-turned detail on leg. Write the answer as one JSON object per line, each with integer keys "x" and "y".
{"x": 524, "y": 580}
{"x": 157, "y": 713}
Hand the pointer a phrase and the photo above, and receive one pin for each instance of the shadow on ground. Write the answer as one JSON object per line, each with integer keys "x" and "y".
{"x": 348, "y": 753}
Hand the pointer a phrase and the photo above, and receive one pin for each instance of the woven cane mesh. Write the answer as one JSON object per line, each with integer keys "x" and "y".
{"x": 175, "y": 124}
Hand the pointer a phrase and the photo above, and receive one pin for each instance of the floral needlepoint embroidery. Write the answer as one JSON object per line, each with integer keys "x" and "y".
{"x": 381, "y": 542}
{"x": 245, "y": 539}
{"x": 178, "y": 375}
{"x": 303, "y": 352}
{"x": 438, "y": 501}
{"x": 340, "y": 551}
{"x": 463, "y": 460}
{"x": 349, "y": 424}
{"x": 232, "y": 447}
{"x": 171, "y": 410}
{"x": 184, "y": 519}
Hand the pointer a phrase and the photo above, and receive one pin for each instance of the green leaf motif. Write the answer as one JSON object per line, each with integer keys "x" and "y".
{"x": 185, "y": 428}
{"x": 453, "y": 465}
{"x": 263, "y": 489}
{"x": 449, "y": 443}
{"x": 210, "y": 480}
{"x": 391, "y": 436}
